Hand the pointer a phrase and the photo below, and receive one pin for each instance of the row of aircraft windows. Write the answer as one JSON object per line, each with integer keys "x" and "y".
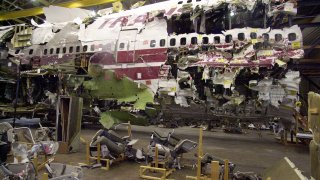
{"x": 216, "y": 39}
{"x": 162, "y": 42}
{"x": 64, "y": 50}
{"x": 188, "y": 1}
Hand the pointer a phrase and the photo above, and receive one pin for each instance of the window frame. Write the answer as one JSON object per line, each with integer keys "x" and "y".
{"x": 216, "y": 38}
{"x": 85, "y": 48}
{"x": 173, "y": 41}
{"x": 184, "y": 40}
{"x": 71, "y": 49}
{"x": 153, "y": 43}
{"x": 162, "y": 42}
{"x": 227, "y": 38}
{"x": 192, "y": 40}
{"x": 121, "y": 46}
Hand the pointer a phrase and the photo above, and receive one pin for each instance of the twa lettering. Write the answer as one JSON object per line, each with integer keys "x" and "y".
{"x": 124, "y": 20}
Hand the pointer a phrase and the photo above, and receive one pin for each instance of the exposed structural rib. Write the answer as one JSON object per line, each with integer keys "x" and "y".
{"x": 39, "y": 10}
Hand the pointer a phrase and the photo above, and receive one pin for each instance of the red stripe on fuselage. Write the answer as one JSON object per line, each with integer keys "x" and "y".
{"x": 142, "y": 55}
{"x": 132, "y": 73}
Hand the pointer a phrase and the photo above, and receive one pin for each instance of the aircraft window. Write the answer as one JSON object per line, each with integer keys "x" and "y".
{"x": 51, "y": 51}
{"x": 121, "y": 45}
{"x": 30, "y": 51}
{"x": 189, "y": 1}
{"x": 253, "y": 35}
{"x": 228, "y": 38}
{"x": 241, "y": 36}
{"x": 17, "y": 51}
{"x": 85, "y": 48}
{"x": 183, "y": 41}
{"x": 172, "y": 42}
{"x": 162, "y": 42}
{"x": 92, "y": 48}
{"x": 265, "y": 36}
{"x": 57, "y": 50}
{"x": 70, "y": 49}
{"x": 180, "y": 2}
{"x": 194, "y": 40}
{"x": 217, "y": 40}
{"x": 153, "y": 43}
{"x": 64, "y": 50}
{"x": 292, "y": 36}
{"x": 45, "y": 51}
{"x": 78, "y": 49}
{"x": 205, "y": 40}
{"x": 278, "y": 37}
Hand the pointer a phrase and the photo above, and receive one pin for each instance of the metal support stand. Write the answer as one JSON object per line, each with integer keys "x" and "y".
{"x": 99, "y": 158}
{"x": 154, "y": 167}
{"x": 45, "y": 176}
{"x": 215, "y": 172}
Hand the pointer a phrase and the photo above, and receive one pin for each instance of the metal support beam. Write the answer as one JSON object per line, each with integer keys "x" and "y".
{"x": 17, "y": 8}
{"x": 311, "y": 82}
{"x": 314, "y": 44}
{"x": 39, "y": 10}
{"x": 308, "y": 3}
{"x": 306, "y": 25}
{"x": 44, "y": 2}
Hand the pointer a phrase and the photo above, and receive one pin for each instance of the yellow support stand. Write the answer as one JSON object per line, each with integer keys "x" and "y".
{"x": 39, "y": 165}
{"x": 164, "y": 172}
{"x": 45, "y": 176}
{"x": 215, "y": 172}
{"x": 99, "y": 158}
{"x": 226, "y": 169}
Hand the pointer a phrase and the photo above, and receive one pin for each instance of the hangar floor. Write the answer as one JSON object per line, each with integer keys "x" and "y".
{"x": 248, "y": 151}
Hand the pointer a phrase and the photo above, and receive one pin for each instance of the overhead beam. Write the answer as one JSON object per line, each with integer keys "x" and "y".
{"x": 18, "y": 7}
{"x": 39, "y": 10}
{"x": 44, "y": 2}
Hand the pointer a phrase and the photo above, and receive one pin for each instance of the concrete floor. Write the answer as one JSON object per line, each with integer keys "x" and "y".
{"x": 248, "y": 151}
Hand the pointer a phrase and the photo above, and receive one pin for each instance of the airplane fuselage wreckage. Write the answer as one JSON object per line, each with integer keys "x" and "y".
{"x": 174, "y": 62}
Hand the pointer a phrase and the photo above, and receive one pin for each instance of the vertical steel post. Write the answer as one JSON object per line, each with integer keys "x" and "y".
{"x": 15, "y": 104}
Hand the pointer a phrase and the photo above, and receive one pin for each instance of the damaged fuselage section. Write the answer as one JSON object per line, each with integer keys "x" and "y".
{"x": 175, "y": 62}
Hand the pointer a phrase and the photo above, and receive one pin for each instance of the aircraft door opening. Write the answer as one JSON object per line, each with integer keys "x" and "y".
{"x": 126, "y": 46}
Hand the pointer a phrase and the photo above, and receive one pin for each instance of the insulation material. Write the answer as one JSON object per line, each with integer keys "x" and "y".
{"x": 226, "y": 78}
{"x": 287, "y": 8}
{"x": 56, "y": 14}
